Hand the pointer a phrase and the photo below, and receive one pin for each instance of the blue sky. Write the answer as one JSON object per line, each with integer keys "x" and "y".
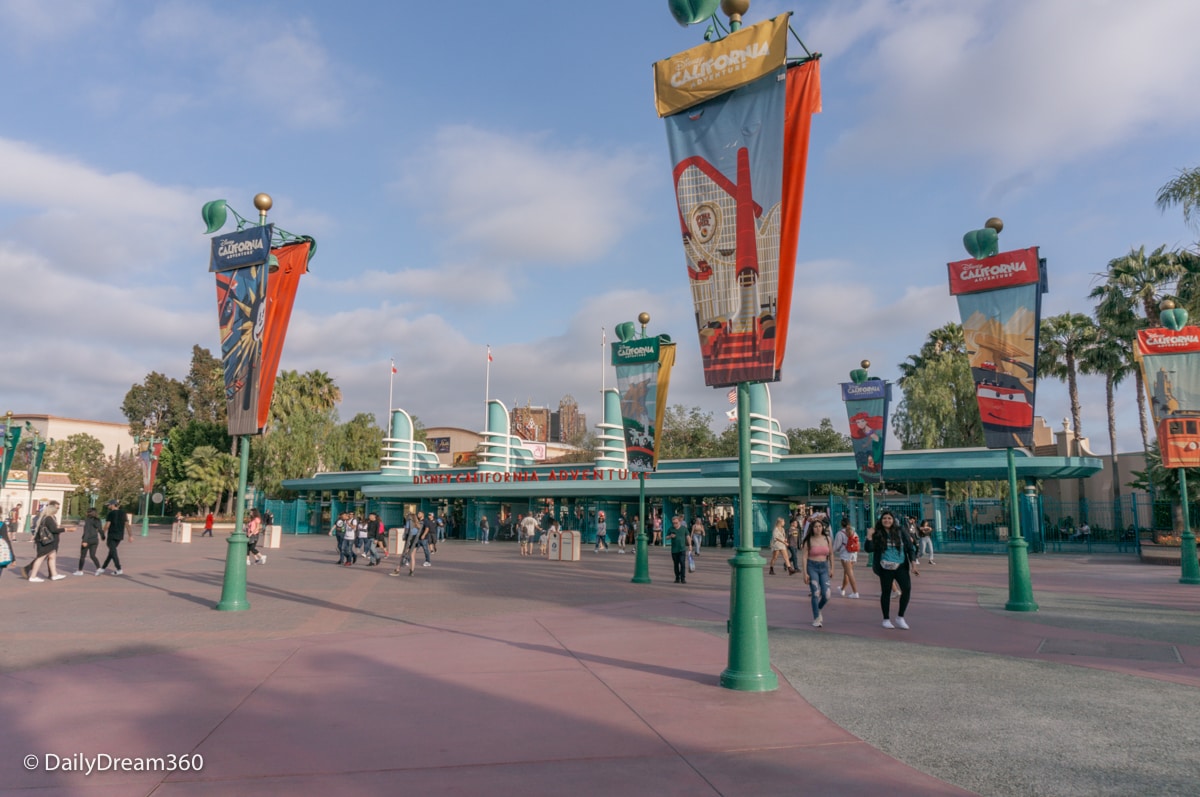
{"x": 482, "y": 173}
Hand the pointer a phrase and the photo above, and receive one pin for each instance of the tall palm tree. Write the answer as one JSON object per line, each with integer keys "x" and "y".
{"x": 946, "y": 339}
{"x": 1183, "y": 190}
{"x": 1117, "y": 317}
{"x": 1106, "y": 355}
{"x": 1061, "y": 342}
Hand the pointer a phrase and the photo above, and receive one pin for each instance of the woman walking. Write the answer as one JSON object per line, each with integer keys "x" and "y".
{"x": 45, "y": 538}
{"x": 845, "y": 546}
{"x": 778, "y": 547}
{"x": 894, "y": 557}
{"x": 816, "y": 557}
{"x": 90, "y": 540}
{"x": 253, "y": 530}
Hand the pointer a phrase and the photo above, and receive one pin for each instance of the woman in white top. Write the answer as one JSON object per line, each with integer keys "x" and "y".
{"x": 846, "y": 539}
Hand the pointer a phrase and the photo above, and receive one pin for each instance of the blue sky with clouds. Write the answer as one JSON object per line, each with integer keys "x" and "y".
{"x": 481, "y": 173}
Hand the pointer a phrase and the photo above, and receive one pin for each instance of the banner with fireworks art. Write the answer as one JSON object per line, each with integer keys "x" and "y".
{"x": 867, "y": 409}
{"x": 643, "y": 379}
{"x": 738, "y": 117}
{"x": 1000, "y": 301}
{"x": 240, "y": 262}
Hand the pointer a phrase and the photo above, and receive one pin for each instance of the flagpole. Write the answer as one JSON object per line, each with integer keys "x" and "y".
{"x": 487, "y": 387}
{"x": 603, "y": 340}
{"x": 387, "y": 418}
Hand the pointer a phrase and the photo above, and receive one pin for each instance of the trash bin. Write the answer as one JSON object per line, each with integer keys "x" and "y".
{"x": 272, "y": 535}
{"x": 181, "y": 532}
{"x": 554, "y": 546}
{"x": 571, "y": 543}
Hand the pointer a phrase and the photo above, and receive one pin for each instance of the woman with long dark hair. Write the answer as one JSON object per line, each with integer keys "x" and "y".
{"x": 816, "y": 559}
{"x": 893, "y": 557}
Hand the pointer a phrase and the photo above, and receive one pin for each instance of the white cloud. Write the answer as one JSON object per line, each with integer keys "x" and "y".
{"x": 1012, "y": 86}
{"x": 526, "y": 198}
{"x": 459, "y": 283}
{"x": 261, "y": 58}
{"x": 28, "y": 24}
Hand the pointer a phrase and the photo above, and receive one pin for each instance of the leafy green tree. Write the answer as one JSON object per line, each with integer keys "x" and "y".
{"x": 820, "y": 439}
{"x": 303, "y": 414}
{"x": 156, "y": 406}
{"x": 205, "y": 385}
{"x": 183, "y": 440}
{"x": 938, "y": 408}
{"x": 120, "y": 479}
{"x": 1062, "y": 341}
{"x": 81, "y": 457}
{"x": 211, "y": 474}
{"x": 686, "y": 433}
{"x": 354, "y": 445}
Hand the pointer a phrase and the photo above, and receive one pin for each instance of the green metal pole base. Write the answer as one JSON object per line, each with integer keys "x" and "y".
{"x": 1020, "y": 586}
{"x": 749, "y": 668}
{"x": 146, "y": 518}
{"x": 233, "y": 589}
{"x": 1190, "y": 567}
{"x": 641, "y": 566}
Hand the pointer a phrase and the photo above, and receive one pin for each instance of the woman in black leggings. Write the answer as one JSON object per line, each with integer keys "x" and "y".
{"x": 893, "y": 557}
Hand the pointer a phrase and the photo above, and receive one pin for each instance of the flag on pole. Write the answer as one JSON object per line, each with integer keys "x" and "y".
{"x": 489, "y": 353}
{"x": 732, "y": 395}
{"x": 393, "y": 366}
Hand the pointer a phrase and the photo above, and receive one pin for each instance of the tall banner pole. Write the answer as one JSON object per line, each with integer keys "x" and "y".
{"x": 999, "y": 298}
{"x": 256, "y": 290}
{"x": 738, "y": 140}
{"x": 1170, "y": 361}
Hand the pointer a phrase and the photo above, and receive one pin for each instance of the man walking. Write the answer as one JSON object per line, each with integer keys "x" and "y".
{"x": 114, "y": 531}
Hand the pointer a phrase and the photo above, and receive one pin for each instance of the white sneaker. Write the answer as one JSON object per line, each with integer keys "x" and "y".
{"x": 118, "y": 572}
{"x": 37, "y": 579}
{"x": 843, "y": 593}
{"x": 853, "y": 594}
{"x": 101, "y": 571}
{"x": 817, "y": 622}
{"x": 888, "y": 624}
{"x": 426, "y": 565}
{"x": 262, "y": 560}
{"x": 59, "y": 577}
{"x": 247, "y": 560}
{"x": 77, "y": 573}
{"x": 901, "y": 624}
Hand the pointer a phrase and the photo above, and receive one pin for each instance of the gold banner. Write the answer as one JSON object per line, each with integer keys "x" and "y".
{"x": 703, "y": 72}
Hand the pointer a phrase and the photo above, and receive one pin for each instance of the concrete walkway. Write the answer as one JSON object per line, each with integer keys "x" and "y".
{"x": 493, "y": 674}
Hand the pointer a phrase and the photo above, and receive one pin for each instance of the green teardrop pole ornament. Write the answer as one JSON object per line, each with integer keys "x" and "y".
{"x": 214, "y": 214}
{"x": 689, "y": 12}
{"x": 1176, "y": 318}
{"x": 986, "y": 242}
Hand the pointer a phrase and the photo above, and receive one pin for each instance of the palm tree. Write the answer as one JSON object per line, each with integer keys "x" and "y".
{"x": 1107, "y": 355}
{"x": 1119, "y": 322}
{"x": 1184, "y": 191}
{"x": 1061, "y": 342}
{"x": 946, "y": 339}
{"x": 1140, "y": 281}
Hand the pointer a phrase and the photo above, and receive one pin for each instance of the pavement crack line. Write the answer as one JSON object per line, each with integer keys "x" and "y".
{"x": 582, "y": 663}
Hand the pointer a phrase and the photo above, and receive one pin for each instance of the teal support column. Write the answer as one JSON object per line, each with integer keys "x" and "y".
{"x": 937, "y": 492}
{"x": 1031, "y": 518}
{"x": 233, "y": 590}
{"x": 641, "y": 564}
{"x": 1189, "y": 567}
{"x": 146, "y": 512}
{"x": 749, "y": 665}
{"x": 1020, "y": 588}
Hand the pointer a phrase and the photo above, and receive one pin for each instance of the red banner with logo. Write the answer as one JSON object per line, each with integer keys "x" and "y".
{"x": 1171, "y": 371}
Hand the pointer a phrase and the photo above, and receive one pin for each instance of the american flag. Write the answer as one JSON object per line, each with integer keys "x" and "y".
{"x": 732, "y": 395}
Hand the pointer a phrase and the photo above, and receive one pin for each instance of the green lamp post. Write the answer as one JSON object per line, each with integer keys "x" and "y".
{"x": 147, "y": 480}
{"x": 1175, "y": 318}
{"x": 35, "y": 450}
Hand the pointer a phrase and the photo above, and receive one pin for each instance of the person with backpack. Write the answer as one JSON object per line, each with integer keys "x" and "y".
{"x": 893, "y": 560}
{"x": 845, "y": 547}
{"x": 45, "y": 538}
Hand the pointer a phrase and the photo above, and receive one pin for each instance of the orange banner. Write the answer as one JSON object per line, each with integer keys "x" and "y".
{"x": 281, "y": 295}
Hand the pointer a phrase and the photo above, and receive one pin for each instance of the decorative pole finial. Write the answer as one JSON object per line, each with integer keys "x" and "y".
{"x": 734, "y": 9}
{"x": 1172, "y": 316}
{"x": 860, "y": 375}
{"x": 263, "y": 203}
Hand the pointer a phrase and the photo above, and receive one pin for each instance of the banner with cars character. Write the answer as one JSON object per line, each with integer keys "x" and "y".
{"x": 1171, "y": 370}
{"x": 1000, "y": 301}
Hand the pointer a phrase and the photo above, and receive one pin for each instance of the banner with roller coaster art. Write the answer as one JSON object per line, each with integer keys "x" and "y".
{"x": 1000, "y": 301}
{"x": 738, "y": 119}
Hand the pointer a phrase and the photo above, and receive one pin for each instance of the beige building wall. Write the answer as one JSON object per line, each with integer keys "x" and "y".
{"x": 114, "y": 436}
